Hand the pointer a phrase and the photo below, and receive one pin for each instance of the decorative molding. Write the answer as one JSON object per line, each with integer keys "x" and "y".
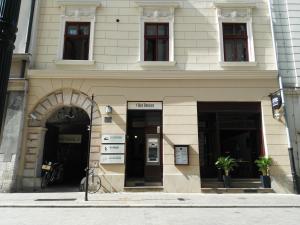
{"x": 158, "y": 3}
{"x": 75, "y": 62}
{"x": 234, "y": 14}
{"x": 157, "y": 64}
{"x": 238, "y": 64}
{"x": 235, "y": 4}
{"x": 95, "y": 3}
{"x": 149, "y": 75}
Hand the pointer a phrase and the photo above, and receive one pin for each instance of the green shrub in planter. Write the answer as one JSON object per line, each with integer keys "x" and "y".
{"x": 226, "y": 164}
{"x": 263, "y": 164}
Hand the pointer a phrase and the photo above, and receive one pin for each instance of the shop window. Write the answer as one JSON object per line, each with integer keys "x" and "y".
{"x": 235, "y": 41}
{"x": 156, "y": 41}
{"x": 76, "y": 41}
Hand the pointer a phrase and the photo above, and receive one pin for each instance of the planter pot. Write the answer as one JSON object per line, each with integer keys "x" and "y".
{"x": 265, "y": 181}
{"x": 226, "y": 180}
{"x": 220, "y": 175}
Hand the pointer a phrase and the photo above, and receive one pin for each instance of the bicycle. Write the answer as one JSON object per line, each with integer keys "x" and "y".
{"x": 51, "y": 173}
{"x": 94, "y": 184}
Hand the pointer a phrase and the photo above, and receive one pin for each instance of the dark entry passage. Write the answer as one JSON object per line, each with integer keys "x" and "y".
{"x": 143, "y": 149}
{"x": 66, "y": 143}
{"x": 229, "y": 129}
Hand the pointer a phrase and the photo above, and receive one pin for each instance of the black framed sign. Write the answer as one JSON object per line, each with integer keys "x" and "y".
{"x": 181, "y": 154}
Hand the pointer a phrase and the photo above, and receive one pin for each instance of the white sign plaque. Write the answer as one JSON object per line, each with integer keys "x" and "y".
{"x": 112, "y": 159}
{"x": 144, "y": 106}
{"x": 113, "y": 149}
{"x": 181, "y": 155}
{"x": 113, "y": 138}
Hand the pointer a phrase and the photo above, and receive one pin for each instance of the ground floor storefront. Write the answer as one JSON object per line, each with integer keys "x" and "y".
{"x": 152, "y": 133}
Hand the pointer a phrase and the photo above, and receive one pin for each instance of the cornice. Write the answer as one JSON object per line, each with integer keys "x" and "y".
{"x": 79, "y": 2}
{"x": 235, "y": 4}
{"x": 158, "y": 3}
{"x": 153, "y": 75}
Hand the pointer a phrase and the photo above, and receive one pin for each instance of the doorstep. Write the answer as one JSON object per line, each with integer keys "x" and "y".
{"x": 236, "y": 190}
{"x": 144, "y": 189}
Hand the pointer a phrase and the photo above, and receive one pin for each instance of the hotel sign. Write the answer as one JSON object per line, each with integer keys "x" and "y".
{"x": 144, "y": 106}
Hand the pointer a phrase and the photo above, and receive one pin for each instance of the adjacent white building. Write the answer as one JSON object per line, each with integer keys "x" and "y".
{"x": 286, "y": 23}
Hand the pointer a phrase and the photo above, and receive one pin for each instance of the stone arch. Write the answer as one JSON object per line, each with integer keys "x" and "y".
{"x": 63, "y": 97}
{"x": 36, "y": 131}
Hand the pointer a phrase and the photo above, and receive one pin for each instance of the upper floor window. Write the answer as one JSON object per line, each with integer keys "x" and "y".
{"x": 235, "y": 41}
{"x": 156, "y": 41}
{"x": 76, "y": 42}
{"x": 235, "y": 32}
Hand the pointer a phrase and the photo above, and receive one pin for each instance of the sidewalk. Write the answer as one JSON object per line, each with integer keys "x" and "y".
{"x": 150, "y": 200}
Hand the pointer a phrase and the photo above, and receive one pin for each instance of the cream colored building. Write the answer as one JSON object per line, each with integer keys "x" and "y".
{"x": 196, "y": 96}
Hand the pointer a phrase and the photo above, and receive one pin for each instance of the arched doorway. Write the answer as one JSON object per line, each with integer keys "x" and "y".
{"x": 66, "y": 143}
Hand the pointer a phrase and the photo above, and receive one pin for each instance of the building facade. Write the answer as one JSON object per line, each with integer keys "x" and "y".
{"x": 176, "y": 84}
{"x": 286, "y": 20}
{"x": 11, "y": 142}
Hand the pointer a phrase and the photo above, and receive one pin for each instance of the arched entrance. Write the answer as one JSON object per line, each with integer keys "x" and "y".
{"x": 66, "y": 143}
{"x": 40, "y": 122}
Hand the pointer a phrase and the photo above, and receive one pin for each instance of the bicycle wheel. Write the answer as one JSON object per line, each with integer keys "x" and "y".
{"x": 94, "y": 184}
{"x": 45, "y": 180}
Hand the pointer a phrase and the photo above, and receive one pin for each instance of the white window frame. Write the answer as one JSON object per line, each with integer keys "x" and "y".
{"x": 238, "y": 12}
{"x": 157, "y": 11}
{"x": 77, "y": 11}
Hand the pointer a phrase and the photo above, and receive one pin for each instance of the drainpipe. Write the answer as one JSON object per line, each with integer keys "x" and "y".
{"x": 290, "y": 148}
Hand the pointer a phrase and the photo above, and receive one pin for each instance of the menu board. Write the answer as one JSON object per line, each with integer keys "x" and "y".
{"x": 181, "y": 154}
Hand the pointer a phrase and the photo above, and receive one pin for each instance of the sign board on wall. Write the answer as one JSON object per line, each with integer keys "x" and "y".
{"x": 181, "y": 154}
{"x": 113, "y": 149}
{"x": 113, "y": 139}
{"x": 69, "y": 138}
{"x": 112, "y": 159}
{"x": 144, "y": 106}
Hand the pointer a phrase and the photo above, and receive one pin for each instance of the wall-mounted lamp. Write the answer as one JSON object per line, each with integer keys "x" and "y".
{"x": 33, "y": 116}
{"x": 108, "y": 109}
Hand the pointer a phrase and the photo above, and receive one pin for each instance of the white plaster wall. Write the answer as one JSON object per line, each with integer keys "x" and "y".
{"x": 116, "y": 45}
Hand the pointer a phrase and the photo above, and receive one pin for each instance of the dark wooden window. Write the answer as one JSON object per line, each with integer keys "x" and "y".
{"x": 156, "y": 42}
{"x": 235, "y": 41}
{"x": 77, "y": 40}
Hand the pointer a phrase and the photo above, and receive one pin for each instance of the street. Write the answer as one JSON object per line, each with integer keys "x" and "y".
{"x": 150, "y": 216}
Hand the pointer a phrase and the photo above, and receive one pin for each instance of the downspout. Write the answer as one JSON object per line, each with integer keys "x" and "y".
{"x": 290, "y": 148}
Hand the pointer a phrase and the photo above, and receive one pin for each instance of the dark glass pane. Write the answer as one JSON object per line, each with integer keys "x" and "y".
{"x": 240, "y": 29}
{"x": 241, "y": 50}
{"x": 162, "y": 49}
{"x": 151, "y": 29}
{"x": 76, "y": 49}
{"x": 163, "y": 30}
{"x": 150, "y": 50}
{"x": 229, "y": 50}
{"x": 84, "y": 30}
{"x": 228, "y": 28}
{"x": 72, "y": 30}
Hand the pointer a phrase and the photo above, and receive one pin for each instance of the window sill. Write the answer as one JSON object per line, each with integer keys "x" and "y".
{"x": 157, "y": 63}
{"x": 238, "y": 64}
{"x": 75, "y": 62}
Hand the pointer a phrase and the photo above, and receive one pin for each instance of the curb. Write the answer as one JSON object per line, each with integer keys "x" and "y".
{"x": 145, "y": 206}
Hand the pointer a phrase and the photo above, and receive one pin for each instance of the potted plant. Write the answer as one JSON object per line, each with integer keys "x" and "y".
{"x": 227, "y": 164}
{"x": 263, "y": 164}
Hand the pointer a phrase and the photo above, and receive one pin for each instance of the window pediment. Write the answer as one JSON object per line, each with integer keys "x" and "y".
{"x": 95, "y": 3}
{"x": 158, "y": 3}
